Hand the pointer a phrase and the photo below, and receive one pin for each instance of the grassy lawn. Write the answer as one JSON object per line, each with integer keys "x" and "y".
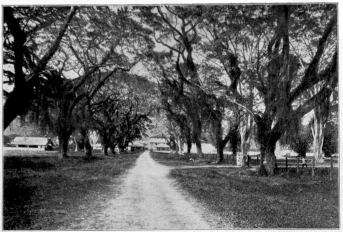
{"x": 175, "y": 160}
{"x": 47, "y": 192}
{"x": 238, "y": 196}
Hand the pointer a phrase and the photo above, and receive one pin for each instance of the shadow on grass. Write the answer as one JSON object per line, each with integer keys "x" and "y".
{"x": 47, "y": 192}
{"x": 241, "y": 198}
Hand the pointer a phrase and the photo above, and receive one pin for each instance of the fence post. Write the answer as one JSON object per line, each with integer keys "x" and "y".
{"x": 313, "y": 167}
{"x": 286, "y": 163}
{"x": 297, "y": 164}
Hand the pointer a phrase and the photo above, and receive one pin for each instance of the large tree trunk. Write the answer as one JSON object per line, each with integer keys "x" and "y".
{"x": 220, "y": 153}
{"x": 317, "y": 128}
{"x": 270, "y": 159}
{"x": 63, "y": 145}
{"x": 17, "y": 103}
{"x": 267, "y": 139}
{"x": 198, "y": 146}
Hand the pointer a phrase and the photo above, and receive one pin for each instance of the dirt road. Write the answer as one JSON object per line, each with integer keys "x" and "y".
{"x": 148, "y": 200}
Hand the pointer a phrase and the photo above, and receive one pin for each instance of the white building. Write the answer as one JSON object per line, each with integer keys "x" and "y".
{"x": 157, "y": 140}
{"x": 32, "y": 143}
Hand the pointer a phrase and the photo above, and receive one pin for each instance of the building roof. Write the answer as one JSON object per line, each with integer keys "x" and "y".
{"x": 137, "y": 144}
{"x": 162, "y": 145}
{"x": 158, "y": 136}
{"x": 39, "y": 141}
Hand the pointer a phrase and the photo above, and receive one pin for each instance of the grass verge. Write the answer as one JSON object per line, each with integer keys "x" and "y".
{"x": 238, "y": 197}
{"x": 48, "y": 192}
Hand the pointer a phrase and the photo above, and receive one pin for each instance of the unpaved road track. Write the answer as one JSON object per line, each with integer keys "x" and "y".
{"x": 148, "y": 200}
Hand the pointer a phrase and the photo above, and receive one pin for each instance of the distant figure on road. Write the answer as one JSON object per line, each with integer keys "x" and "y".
{"x": 303, "y": 162}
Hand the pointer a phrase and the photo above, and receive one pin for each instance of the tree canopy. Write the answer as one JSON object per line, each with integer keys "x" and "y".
{"x": 218, "y": 68}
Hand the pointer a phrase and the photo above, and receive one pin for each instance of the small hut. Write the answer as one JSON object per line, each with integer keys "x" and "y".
{"x": 34, "y": 143}
{"x": 163, "y": 148}
{"x": 136, "y": 146}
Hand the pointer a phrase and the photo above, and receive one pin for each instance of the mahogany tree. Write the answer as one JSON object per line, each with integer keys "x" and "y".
{"x": 32, "y": 35}
{"x": 120, "y": 110}
{"x": 175, "y": 27}
{"x": 91, "y": 53}
{"x": 274, "y": 72}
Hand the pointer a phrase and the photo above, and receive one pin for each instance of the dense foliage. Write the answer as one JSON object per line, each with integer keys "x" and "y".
{"x": 217, "y": 68}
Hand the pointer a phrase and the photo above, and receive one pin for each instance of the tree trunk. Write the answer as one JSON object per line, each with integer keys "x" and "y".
{"x": 218, "y": 135}
{"x": 76, "y": 144}
{"x": 86, "y": 142}
{"x": 105, "y": 149}
{"x": 112, "y": 150}
{"x": 17, "y": 103}
{"x": 245, "y": 133}
{"x": 267, "y": 139}
{"x": 63, "y": 145}
{"x": 220, "y": 153}
{"x": 189, "y": 145}
{"x": 197, "y": 138}
{"x": 179, "y": 145}
{"x": 199, "y": 149}
{"x": 88, "y": 149}
{"x": 268, "y": 163}
{"x": 317, "y": 129}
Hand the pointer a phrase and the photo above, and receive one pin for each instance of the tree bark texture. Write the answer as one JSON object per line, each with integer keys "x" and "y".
{"x": 63, "y": 140}
{"x": 245, "y": 132}
{"x": 317, "y": 129}
{"x": 267, "y": 139}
